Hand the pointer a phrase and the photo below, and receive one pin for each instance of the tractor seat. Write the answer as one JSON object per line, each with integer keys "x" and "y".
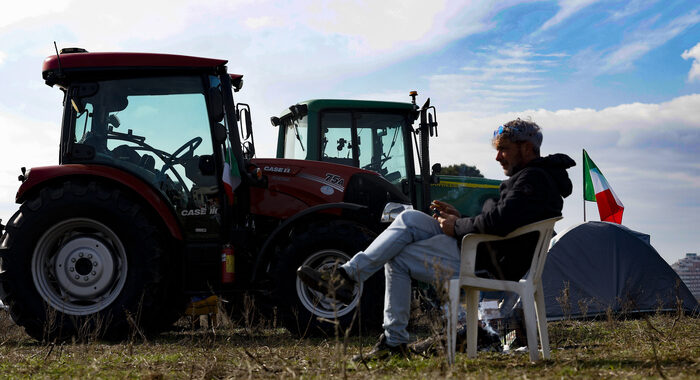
{"x": 148, "y": 162}
{"x": 126, "y": 153}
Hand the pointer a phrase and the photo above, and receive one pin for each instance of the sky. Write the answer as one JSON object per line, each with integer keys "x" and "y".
{"x": 620, "y": 79}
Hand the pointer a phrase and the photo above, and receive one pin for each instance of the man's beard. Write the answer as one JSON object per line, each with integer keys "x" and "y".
{"x": 516, "y": 165}
{"x": 512, "y": 170}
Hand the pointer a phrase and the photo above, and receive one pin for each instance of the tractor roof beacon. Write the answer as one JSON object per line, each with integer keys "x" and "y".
{"x": 157, "y": 173}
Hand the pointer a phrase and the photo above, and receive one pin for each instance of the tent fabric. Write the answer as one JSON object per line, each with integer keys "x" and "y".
{"x": 596, "y": 266}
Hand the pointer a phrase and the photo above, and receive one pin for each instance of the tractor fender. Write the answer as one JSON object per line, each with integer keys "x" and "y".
{"x": 37, "y": 177}
{"x": 266, "y": 249}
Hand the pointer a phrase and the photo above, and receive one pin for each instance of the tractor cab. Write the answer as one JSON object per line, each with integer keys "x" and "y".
{"x": 370, "y": 135}
{"x": 159, "y": 118}
{"x": 377, "y": 136}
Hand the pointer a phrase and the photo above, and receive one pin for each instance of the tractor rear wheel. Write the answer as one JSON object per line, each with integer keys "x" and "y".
{"x": 84, "y": 258}
{"x": 307, "y": 312}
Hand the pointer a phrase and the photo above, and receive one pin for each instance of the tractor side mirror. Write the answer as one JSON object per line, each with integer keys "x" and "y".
{"x": 216, "y": 105}
{"x": 113, "y": 121}
{"x": 248, "y": 122}
{"x": 245, "y": 125}
{"x": 244, "y": 120}
{"x": 219, "y": 133}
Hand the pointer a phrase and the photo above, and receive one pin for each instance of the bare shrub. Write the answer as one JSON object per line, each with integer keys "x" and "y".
{"x": 8, "y": 329}
{"x": 583, "y": 304}
{"x": 90, "y": 328}
{"x": 134, "y": 328}
{"x": 564, "y": 300}
{"x": 252, "y": 317}
{"x": 49, "y": 322}
{"x": 610, "y": 317}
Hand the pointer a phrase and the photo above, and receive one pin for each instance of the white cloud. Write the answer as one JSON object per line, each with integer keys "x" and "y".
{"x": 258, "y": 22}
{"x": 567, "y": 8}
{"x": 362, "y": 27}
{"x": 694, "y": 55}
{"x": 387, "y": 25}
{"x": 632, "y": 7}
{"x": 288, "y": 51}
{"x": 20, "y": 11}
{"x": 3, "y": 56}
{"x": 636, "y": 45}
{"x": 25, "y": 143}
{"x": 496, "y": 78}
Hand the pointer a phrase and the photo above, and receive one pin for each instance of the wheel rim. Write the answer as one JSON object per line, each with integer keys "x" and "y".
{"x": 318, "y": 303}
{"x": 79, "y": 266}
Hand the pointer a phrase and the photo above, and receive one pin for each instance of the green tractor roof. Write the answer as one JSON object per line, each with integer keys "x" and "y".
{"x": 315, "y": 105}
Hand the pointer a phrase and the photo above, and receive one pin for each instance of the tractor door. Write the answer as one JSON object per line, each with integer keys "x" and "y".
{"x": 369, "y": 140}
{"x": 157, "y": 129}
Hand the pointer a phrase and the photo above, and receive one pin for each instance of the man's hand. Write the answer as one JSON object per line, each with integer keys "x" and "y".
{"x": 447, "y": 223}
{"x": 444, "y": 208}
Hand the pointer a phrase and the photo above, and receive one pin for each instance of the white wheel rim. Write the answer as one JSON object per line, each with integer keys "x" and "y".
{"x": 317, "y": 303}
{"x": 79, "y": 266}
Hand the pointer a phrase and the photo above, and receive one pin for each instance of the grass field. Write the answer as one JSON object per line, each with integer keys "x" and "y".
{"x": 659, "y": 346}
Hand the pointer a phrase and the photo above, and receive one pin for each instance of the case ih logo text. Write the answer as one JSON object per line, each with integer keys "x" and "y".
{"x": 199, "y": 211}
{"x": 276, "y": 169}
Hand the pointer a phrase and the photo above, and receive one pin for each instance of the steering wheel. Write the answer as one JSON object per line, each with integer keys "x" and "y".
{"x": 170, "y": 160}
{"x": 378, "y": 165}
{"x": 190, "y": 146}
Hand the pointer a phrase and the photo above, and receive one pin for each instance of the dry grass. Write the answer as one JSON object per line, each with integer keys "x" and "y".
{"x": 660, "y": 346}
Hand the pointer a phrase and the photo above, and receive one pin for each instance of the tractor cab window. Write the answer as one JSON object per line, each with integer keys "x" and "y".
{"x": 295, "y": 137}
{"x": 155, "y": 128}
{"x": 381, "y": 144}
{"x": 336, "y": 138}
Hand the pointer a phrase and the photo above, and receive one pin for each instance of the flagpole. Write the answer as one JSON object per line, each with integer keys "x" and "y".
{"x": 583, "y": 184}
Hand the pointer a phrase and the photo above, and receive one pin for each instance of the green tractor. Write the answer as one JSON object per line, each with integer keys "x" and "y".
{"x": 376, "y": 136}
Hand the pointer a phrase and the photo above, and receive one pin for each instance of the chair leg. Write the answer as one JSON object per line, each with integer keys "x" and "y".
{"x": 453, "y": 302}
{"x": 472, "y": 321}
{"x": 528, "y": 302}
{"x": 541, "y": 310}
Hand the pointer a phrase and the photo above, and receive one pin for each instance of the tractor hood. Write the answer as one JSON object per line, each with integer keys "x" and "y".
{"x": 295, "y": 185}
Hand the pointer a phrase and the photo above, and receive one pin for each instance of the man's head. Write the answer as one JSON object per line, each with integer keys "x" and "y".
{"x": 517, "y": 142}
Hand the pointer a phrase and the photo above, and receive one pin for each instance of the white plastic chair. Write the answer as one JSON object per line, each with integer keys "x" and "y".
{"x": 529, "y": 288}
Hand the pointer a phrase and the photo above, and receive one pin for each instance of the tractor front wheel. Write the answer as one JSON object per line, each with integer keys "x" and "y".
{"x": 306, "y": 311}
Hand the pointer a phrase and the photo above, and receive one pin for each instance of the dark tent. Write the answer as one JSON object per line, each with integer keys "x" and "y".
{"x": 596, "y": 266}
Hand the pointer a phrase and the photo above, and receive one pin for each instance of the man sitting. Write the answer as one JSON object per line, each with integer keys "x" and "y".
{"x": 426, "y": 248}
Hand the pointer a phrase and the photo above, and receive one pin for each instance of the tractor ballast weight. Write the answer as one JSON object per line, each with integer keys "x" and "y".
{"x": 156, "y": 178}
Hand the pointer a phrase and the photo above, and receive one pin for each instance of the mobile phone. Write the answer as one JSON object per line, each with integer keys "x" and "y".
{"x": 436, "y": 211}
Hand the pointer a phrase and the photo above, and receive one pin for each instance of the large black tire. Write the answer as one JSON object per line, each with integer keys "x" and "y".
{"x": 307, "y": 312}
{"x": 84, "y": 257}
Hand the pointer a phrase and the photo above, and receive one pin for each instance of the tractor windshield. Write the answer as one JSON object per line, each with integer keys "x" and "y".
{"x": 370, "y": 140}
{"x": 156, "y": 128}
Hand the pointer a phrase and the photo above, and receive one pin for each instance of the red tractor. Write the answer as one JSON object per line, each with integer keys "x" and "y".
{"x": 157, "y": 184}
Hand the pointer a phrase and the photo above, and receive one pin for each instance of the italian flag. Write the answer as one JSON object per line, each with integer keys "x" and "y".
{"x": 231, "y": 176}
{"x": 597, "y": 189}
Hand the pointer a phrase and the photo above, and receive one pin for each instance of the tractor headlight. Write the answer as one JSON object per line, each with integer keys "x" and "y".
{"x": 392, "y": 210}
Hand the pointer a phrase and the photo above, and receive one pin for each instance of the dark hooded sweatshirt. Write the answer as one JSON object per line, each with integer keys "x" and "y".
{"x": 532, "y": 194}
